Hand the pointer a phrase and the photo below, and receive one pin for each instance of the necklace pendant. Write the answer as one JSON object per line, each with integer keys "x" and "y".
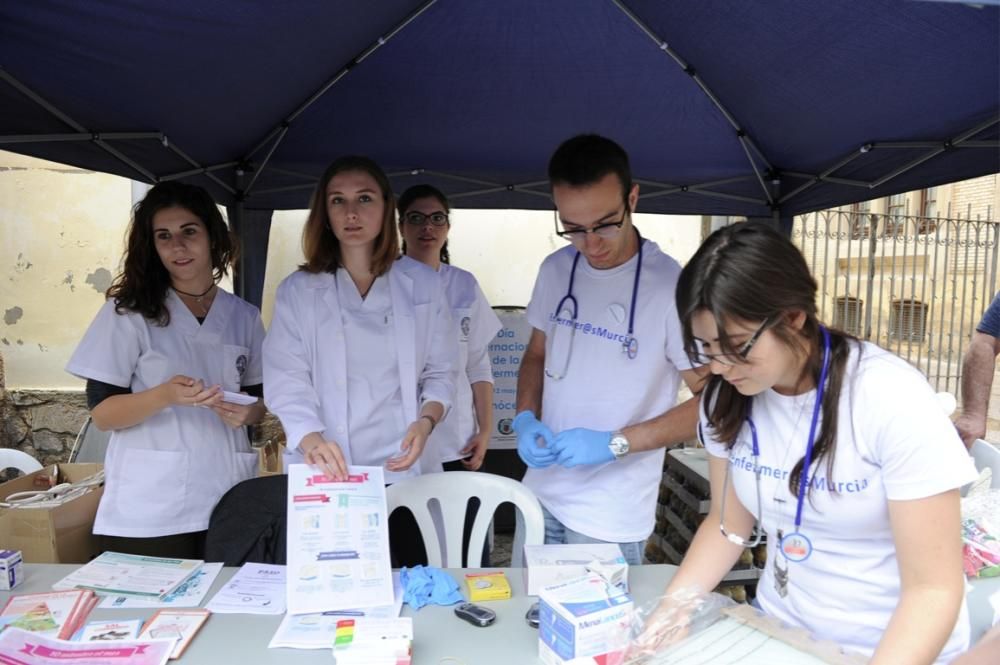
{"x": 780, "y": 574}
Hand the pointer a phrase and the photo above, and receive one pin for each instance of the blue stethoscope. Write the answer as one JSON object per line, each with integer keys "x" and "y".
{"x": 630, "y": 345}
{"x": 794, "y": 546}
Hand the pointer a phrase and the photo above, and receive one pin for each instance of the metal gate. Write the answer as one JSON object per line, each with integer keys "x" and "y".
{"x": 915, "y": 285}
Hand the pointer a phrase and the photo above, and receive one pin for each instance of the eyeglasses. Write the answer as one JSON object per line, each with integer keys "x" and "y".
{"x": 579, "y": 236}
{"x": 730, "y": 359}
{"x": 419, "y": 218}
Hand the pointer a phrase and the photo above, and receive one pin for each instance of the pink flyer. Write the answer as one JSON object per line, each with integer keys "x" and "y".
{"x": 19, "y": 647}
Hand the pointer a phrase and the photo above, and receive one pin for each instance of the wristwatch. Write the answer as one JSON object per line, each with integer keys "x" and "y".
{"x": 619, "y": 445}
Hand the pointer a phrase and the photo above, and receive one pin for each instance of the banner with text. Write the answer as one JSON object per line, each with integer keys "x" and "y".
{"x": 506, "y": 350}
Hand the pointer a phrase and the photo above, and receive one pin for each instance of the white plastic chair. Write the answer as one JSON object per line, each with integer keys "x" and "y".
{"x": 439, "y": 501}
{"x": 15, "y": 459}
{"x": 987, "y": 456}
{"x": 91, "y": 444}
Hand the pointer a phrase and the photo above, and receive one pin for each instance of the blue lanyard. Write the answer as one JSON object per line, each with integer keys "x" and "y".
{"x": 820, "y": 389}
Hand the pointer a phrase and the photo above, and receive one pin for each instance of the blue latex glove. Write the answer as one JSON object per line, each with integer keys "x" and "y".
{"x": 423, "y": 585}
{"x": 579, "y": 446}
{"x": 529, "y": 429}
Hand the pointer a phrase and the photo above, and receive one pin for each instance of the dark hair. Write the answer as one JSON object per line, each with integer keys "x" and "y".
{"x": 415, "y": 193}
{"x": 142, "y": 284}
{"x": 320, "y": 245}
{"x": 751, "y": 272}
{"x": 585, "y": 159}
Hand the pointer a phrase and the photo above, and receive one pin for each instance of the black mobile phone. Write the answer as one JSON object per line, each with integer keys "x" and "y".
{"x": 476, "y": 615}
{"x": 532, "y": 616}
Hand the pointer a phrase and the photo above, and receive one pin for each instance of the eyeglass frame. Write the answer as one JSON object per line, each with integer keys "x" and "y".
{"x": 425, "y": 218}
{"x": 741, "y": 353}
{"x": 579, "y": 235}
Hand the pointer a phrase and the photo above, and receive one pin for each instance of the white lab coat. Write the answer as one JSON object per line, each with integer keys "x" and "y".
{"x": 476, "y": 325}
{"x": 305, "y": 365}
{"x": 165, "y": 474}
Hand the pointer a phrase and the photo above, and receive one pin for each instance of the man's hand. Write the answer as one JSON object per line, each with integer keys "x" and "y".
{"x": 579, "y": 446}
{"x": 529, "y": 430}
{"x": 971, "y": 427}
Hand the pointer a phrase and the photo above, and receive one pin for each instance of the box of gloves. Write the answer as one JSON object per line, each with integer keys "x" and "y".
{"x": 582, "y": 621}
{"x": 545, "y": 565}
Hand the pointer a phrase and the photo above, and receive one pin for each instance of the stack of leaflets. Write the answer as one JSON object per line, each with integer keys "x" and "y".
{"x": 131, "y": 575}
{"x": 56, "y": 614}
{"x": 109, "y": 631}
{"x": 23, "y": 648}
{"x": 374, "y": 642}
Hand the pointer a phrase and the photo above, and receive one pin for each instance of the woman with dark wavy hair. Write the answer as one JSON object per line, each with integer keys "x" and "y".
{"x": 158, "y": 359}
{"x": 832, "y": 448}
{"x": 360, "y": 353}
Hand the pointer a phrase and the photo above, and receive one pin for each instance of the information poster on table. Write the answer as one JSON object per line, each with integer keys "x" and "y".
{"x": 338, "y": 541}
{"x": 505, "y": 351}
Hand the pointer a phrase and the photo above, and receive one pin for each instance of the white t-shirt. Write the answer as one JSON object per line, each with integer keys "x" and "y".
{"x": 604, "y": 389}
{"x": 165, "y": 474}
{"x": 893, "y": 443}
{"x": 475, "y": 326}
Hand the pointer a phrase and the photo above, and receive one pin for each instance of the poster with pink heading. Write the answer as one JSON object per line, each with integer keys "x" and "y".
{"x": 20, "y": 647}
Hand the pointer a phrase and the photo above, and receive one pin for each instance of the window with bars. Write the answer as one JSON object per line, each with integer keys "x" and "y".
{"x": 895, "y": 223}
{"x": 928, "y": 210}
{"x": 861, "y": 220}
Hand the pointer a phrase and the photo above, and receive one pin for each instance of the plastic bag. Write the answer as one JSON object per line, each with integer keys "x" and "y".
{"x": 981, "y": 529}
{"x": 670, "y": 618}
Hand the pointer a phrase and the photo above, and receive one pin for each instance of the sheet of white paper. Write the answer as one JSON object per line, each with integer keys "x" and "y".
{"x": 113, "y": 573}
{"x": 188, "y": 594}
{"x": 731, "y": 642}
{"x": 995, "y": 604}
{"x": 257, "y": 588}
{"x": 20, "y": 646}
{"x": 238, "y": 398}
{"x": 316, "y": 631}
{"x": 338, "y": 541}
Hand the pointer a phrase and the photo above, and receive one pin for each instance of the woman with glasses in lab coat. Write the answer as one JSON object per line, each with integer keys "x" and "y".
{"x": 360, "y": 353}
{"x": 157, "y": 359}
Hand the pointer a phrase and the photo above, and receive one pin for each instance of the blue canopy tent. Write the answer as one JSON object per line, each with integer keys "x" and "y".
{"x": 764, "y": 108}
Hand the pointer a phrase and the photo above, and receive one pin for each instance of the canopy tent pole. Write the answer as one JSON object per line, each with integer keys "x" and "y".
{"x": 79, "y": 136}
{"x": 278, "y": 133}
{"x": 101, "y": 139}
{"x": 962, "y": 140}
{"x": 198, "y": 171}
{"x": 746, "y": 142}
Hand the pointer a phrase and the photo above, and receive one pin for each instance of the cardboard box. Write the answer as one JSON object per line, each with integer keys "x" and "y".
{"x": 583, "y": 621}
{"x": 61, "y": 534}
{"x": 10, "y": 569}
{"x": 545, "y": 565}
{"x": 270, "y": 461}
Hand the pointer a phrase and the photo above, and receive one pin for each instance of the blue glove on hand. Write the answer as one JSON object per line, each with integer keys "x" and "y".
{"x": 578, "y": 446}
{"x": 529, "y": 429}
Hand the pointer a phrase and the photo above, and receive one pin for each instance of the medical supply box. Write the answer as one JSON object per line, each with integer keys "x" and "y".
{"x": 583, "y": 621}
{"x": 487, "y": 586}
{"x": 545, "y": 565}
{"x": 60, "y": 533}
{"x": 11, "y": 572}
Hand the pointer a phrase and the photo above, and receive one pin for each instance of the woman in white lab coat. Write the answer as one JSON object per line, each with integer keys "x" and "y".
{"x": 461, "y": 440}
{"x": 157, "y": 359}
{"x": 360, "y": 353}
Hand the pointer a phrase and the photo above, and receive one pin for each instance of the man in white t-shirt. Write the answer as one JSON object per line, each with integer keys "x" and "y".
{"x": 598, "y": 383}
